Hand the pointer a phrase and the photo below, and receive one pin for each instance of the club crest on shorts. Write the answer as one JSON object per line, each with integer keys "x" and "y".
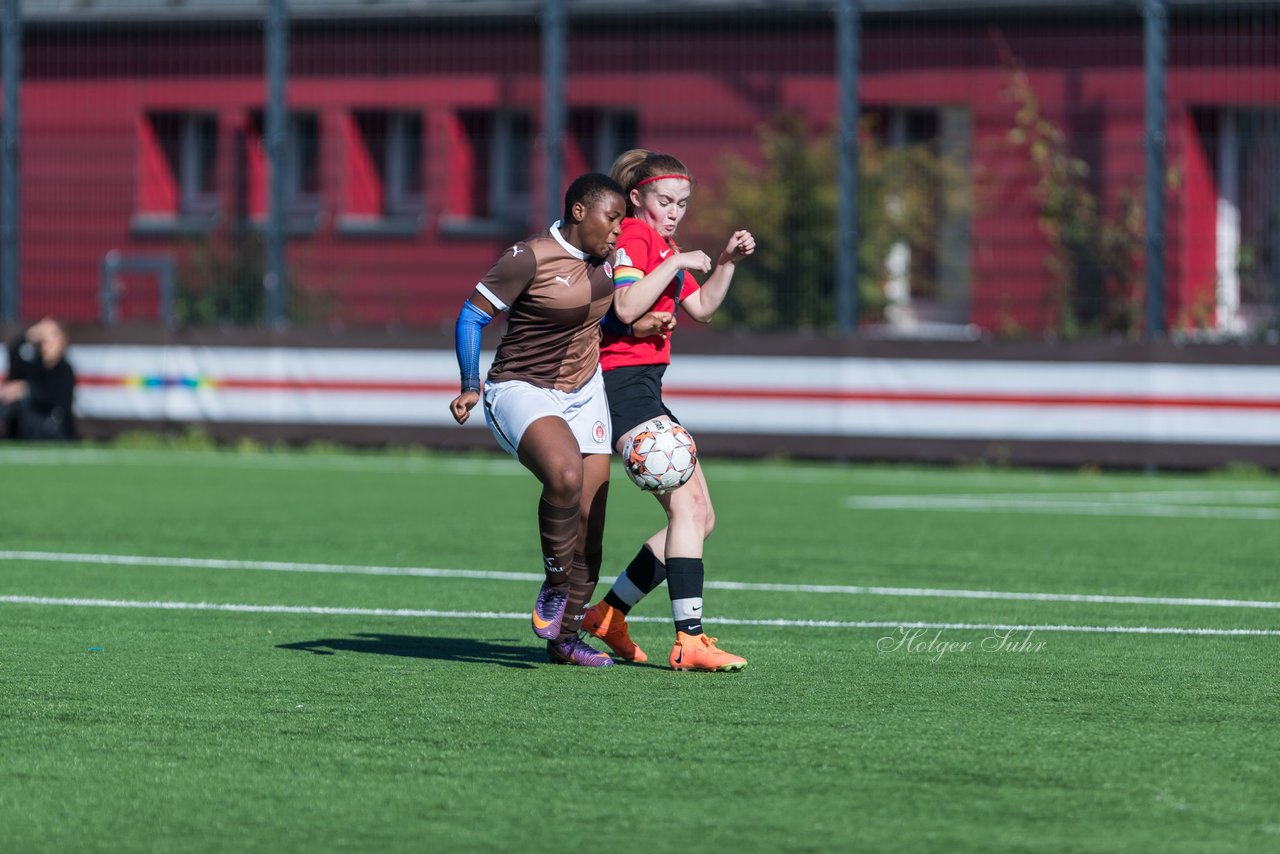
{"x": 597, "y": 431}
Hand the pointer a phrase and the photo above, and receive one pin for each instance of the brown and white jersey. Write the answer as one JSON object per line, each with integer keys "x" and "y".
{"x": 555, "y": 295}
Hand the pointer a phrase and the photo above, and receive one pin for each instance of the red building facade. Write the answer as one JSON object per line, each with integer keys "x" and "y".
{"x": 416, "y": 149}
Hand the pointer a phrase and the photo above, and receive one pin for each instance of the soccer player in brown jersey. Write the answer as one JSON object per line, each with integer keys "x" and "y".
{"x": 544, "y": 397}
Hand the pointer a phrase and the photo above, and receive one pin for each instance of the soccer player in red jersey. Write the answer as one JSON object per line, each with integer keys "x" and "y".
{"x": 544, "y": 399}
{"x": 651, "y": 273}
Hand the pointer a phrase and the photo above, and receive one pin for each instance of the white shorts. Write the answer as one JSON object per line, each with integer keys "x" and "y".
{"x": 511, "y": 406}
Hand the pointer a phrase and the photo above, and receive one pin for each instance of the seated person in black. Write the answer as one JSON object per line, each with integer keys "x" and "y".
{"x": 35, "y": 400}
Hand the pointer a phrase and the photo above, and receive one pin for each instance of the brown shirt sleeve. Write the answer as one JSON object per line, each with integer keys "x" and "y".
{"x": 509, "y": 276}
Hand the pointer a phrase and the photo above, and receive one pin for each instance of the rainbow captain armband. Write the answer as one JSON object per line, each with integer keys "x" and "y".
{"x": 466, "y": 342}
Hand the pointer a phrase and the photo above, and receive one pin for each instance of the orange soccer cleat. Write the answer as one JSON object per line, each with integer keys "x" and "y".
{"x": 699, "y": 652}
{"x": 606, "y": 622}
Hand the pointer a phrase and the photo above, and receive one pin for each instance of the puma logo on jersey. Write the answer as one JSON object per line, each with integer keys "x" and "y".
{"x": 515, "y": 250}
{"x": 564, "y": 279}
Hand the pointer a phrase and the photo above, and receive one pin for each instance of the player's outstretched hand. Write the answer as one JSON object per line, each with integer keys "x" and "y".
{"x": 462, "y": 405}
{"x": 739, "y": 246}
{"x": 654, "y": 323}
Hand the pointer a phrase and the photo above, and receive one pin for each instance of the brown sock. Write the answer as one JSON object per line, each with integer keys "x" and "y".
{"x": 558, "y": 530}
{"x": 582, "y": 585}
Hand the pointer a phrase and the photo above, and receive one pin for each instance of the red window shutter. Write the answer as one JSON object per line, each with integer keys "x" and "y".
{"x": 157, "y": 185}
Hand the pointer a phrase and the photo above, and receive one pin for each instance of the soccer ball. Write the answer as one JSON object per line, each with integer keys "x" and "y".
{"x": 660, "y": 456}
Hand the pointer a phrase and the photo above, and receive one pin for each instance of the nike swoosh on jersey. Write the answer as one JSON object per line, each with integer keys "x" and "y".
{"x": 664, "y": 254}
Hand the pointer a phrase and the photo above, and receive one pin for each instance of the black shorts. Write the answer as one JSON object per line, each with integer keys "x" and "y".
{"x": 635, "y": 396}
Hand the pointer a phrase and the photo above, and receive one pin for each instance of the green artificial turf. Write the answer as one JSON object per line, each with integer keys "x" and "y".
{"x": 135, "y": 716}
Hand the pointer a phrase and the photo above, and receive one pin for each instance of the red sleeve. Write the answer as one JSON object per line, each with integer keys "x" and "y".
{"x": 691, "y": 285}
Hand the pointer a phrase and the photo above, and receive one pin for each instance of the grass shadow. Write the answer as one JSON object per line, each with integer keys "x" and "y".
{"x": 466, "y": 650}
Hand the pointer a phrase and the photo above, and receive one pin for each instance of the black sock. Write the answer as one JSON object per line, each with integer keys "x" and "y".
{"x": 641, "y": 577}
{"x": 684, "y": 584}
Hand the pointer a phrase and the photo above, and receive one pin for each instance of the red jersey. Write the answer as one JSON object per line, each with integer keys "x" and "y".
{"x": 641, "y": 250}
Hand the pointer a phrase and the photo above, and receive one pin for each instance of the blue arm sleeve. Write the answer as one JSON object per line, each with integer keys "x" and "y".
{"x": 466, "y": 342}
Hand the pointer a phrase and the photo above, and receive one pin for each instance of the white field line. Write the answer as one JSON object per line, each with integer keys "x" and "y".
{"x": 728, "y": 621}
{"x": 265, "y": 565}
{"x": 1173, "y": 496}
{"x": 484, "y": 575}
{"x": 1147, "y": 504}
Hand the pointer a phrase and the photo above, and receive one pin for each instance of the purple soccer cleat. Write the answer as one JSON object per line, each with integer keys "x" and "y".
{"x": 548, "y": 610}
{"x": 575, "y": 650}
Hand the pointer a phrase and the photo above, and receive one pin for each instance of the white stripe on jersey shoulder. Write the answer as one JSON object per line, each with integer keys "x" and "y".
{"x": 491, "y": 297}
{"x": 572, "y": 250}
